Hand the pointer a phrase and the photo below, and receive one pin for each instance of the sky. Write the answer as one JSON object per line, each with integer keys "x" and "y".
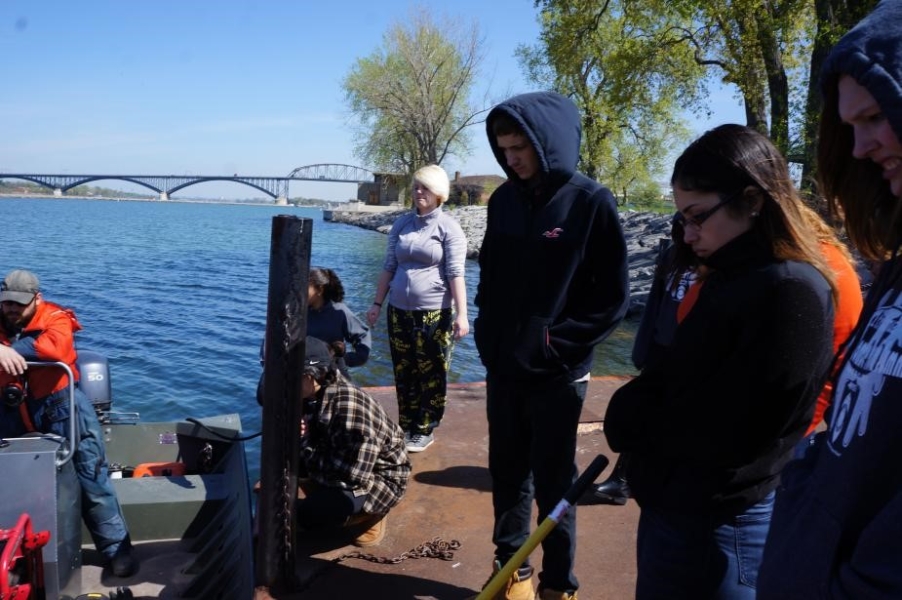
{"x": 215, "y": 88}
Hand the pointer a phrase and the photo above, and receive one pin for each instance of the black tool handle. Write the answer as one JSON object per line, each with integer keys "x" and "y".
{"x": 587, "y": 478}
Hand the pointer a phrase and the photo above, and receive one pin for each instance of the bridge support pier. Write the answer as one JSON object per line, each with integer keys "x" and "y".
{"x": 164, "y": 196}
{"x": 58, "y": 193}
{"x": 281, "y": 201}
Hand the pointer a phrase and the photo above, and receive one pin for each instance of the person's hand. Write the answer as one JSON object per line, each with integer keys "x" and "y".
{"x": 372, "y": 315}
{"x": 461, "y": 327}
{"x": 11, "y": 361}
{"x": 339, "y": 348}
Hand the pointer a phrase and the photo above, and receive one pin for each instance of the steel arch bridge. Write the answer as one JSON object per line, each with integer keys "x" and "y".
{"x": 333, "y": 172}
{"x": 164, "y": 185}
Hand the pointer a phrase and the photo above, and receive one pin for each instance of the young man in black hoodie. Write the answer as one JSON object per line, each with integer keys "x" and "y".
{"x": 552, "y": 284}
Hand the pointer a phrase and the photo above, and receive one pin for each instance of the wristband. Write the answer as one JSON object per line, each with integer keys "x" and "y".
{"x": 379, "y": 304}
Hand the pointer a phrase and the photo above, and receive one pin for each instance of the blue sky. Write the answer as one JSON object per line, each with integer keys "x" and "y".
{"x": 175, "y": 87}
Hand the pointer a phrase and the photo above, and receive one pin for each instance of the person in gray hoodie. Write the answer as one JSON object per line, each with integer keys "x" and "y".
{"x": 552, "y": 285}
{"x": 836, "y": 530}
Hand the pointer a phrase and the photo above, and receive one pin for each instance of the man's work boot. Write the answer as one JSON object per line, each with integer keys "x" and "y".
{"x": 518, "y": 587}
{"x": 615, "y": 489}
{"x": 549, "y": 594}
{"x": 373, "y": 527}
{"x": 123, "y": 563}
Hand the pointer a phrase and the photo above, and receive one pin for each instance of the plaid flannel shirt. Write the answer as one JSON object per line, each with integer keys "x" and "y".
{"x": 356, "y": 446}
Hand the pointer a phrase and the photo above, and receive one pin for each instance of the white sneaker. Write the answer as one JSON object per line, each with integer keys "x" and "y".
{"x": 419, "y": 441}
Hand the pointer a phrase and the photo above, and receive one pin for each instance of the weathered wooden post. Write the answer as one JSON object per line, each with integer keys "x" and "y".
{"x": 284, "y": 347}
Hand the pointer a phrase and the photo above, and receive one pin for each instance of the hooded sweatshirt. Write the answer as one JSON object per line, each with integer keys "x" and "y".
{"x": 837, "y": 524}
{"x": 553, "y": 264}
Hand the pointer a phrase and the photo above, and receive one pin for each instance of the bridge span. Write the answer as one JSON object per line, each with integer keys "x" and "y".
{"x": 274, "y": 187}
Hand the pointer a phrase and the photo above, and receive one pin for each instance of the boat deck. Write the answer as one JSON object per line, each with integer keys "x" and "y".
{"x": 448, "y": 498}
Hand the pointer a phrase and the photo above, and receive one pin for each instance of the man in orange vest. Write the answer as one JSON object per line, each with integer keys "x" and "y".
{"x": 36, "y": 399}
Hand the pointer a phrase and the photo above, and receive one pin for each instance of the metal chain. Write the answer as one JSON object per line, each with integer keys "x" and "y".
{"x": 436, "y": 548}
{"x": 287, "y": 496}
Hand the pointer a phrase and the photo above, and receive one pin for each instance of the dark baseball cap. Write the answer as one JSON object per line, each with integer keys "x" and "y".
{"x": 19, "y": 286}
{"x": 317, "y": 352}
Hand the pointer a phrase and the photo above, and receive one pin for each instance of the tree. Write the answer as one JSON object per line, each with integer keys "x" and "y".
{"x": 771, "y": 50}
{"x": 619, "y": 62}
{"x": 411, "y": 96}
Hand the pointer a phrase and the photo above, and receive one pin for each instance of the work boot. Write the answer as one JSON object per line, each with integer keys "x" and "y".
{"x": 549, "y": 594}
{"x": 123, "y": 563}
{"x": 373, "y": 529}
{"x": 518, "y": 587}
{"x": 615, "y": 489}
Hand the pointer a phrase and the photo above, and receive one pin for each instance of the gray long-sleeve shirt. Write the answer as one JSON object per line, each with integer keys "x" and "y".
{"x": 425, "y": 252}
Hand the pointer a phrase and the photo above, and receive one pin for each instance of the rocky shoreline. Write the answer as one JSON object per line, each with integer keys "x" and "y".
{"x": 643, "y": 232}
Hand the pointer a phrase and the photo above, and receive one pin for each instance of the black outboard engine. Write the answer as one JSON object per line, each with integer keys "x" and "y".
{"x": 95, "y": 380}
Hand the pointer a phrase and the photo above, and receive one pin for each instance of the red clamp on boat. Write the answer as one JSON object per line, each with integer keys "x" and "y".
{"x": 21, "y": 561}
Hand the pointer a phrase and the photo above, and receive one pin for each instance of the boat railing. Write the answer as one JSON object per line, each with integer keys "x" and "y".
{"x": 67, "y": 448}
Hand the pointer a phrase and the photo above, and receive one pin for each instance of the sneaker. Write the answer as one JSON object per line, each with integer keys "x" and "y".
{"x": 419, "y": 441}
{"x": 123, "y": 563}
{"x": 549, "y": 594}
{"x": 375, "y": 532}
{"x": 518, "y": 587}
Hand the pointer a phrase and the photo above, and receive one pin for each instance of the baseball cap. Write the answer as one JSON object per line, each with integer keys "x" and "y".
{"x": 317, "y": 352}
{"x": 19, "y": 286}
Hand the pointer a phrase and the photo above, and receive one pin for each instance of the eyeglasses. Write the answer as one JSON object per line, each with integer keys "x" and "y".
{"x": 697, "y": 219}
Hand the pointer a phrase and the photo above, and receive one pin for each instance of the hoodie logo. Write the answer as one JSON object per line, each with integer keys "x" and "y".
{"x": 552, "y": 234}
{"x": 875, "y": 361}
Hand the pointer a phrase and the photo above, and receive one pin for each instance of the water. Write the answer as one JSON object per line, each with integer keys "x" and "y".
{"x": 174, "y": 294}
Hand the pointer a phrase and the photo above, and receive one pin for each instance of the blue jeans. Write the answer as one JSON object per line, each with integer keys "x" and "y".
{"x": 532, "y": 452}
{"x": 99, "y": 504}
{"x": 691, "y": 556}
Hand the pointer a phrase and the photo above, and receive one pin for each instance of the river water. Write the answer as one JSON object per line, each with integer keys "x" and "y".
{"x": 174, "y": 294}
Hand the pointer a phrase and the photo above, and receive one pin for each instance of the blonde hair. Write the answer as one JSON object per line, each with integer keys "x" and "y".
{"x": 434, "y": 179}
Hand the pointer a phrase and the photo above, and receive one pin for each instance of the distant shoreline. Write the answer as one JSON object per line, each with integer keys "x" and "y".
{"x": 157, "y": 200}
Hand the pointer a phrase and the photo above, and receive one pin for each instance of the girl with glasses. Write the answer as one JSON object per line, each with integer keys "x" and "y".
{"x": 710, "y": 425}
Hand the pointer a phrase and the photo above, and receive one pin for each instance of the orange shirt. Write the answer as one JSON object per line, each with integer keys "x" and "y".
{"x": 848, "y": 308}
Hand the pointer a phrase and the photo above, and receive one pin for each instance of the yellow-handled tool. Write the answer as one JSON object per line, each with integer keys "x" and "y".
{"x": 573, "y": 494}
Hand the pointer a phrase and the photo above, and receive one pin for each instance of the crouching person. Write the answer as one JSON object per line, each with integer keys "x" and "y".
{"x": 354, "y": 466}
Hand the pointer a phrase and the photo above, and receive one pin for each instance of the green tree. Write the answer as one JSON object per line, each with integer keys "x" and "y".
{"x": 622, "y": 60}
{"x": 630, "y": 77}
{"x": 410, "y": 97}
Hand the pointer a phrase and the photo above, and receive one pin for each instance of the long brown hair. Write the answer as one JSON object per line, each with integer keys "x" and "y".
{"x": 854, "y": 188}
{"x": 734, "y": 159}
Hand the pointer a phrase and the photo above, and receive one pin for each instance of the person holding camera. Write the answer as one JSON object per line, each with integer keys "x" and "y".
{"x": 354, "y": 465}
{"x": 36, "y": 399}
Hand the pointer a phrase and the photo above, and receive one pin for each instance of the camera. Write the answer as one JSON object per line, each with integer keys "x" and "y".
{"x": 13, "y": 394}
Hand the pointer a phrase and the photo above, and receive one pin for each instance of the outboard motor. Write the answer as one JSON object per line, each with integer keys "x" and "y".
{"x": 95, "y": 380}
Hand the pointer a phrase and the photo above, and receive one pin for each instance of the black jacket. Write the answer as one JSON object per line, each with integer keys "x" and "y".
{"x": 710, "y": 427}
{"x": 553, "y": 266}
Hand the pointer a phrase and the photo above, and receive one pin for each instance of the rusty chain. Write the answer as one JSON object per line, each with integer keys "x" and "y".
{"x": 436, "y": 548}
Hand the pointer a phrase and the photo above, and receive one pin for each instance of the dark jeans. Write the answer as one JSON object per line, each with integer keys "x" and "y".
{"x": 326, "y": 507}
{"x": 532, "y": 451}
{"x": 690, "y": 556}
{"x": 99, "y": 503}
